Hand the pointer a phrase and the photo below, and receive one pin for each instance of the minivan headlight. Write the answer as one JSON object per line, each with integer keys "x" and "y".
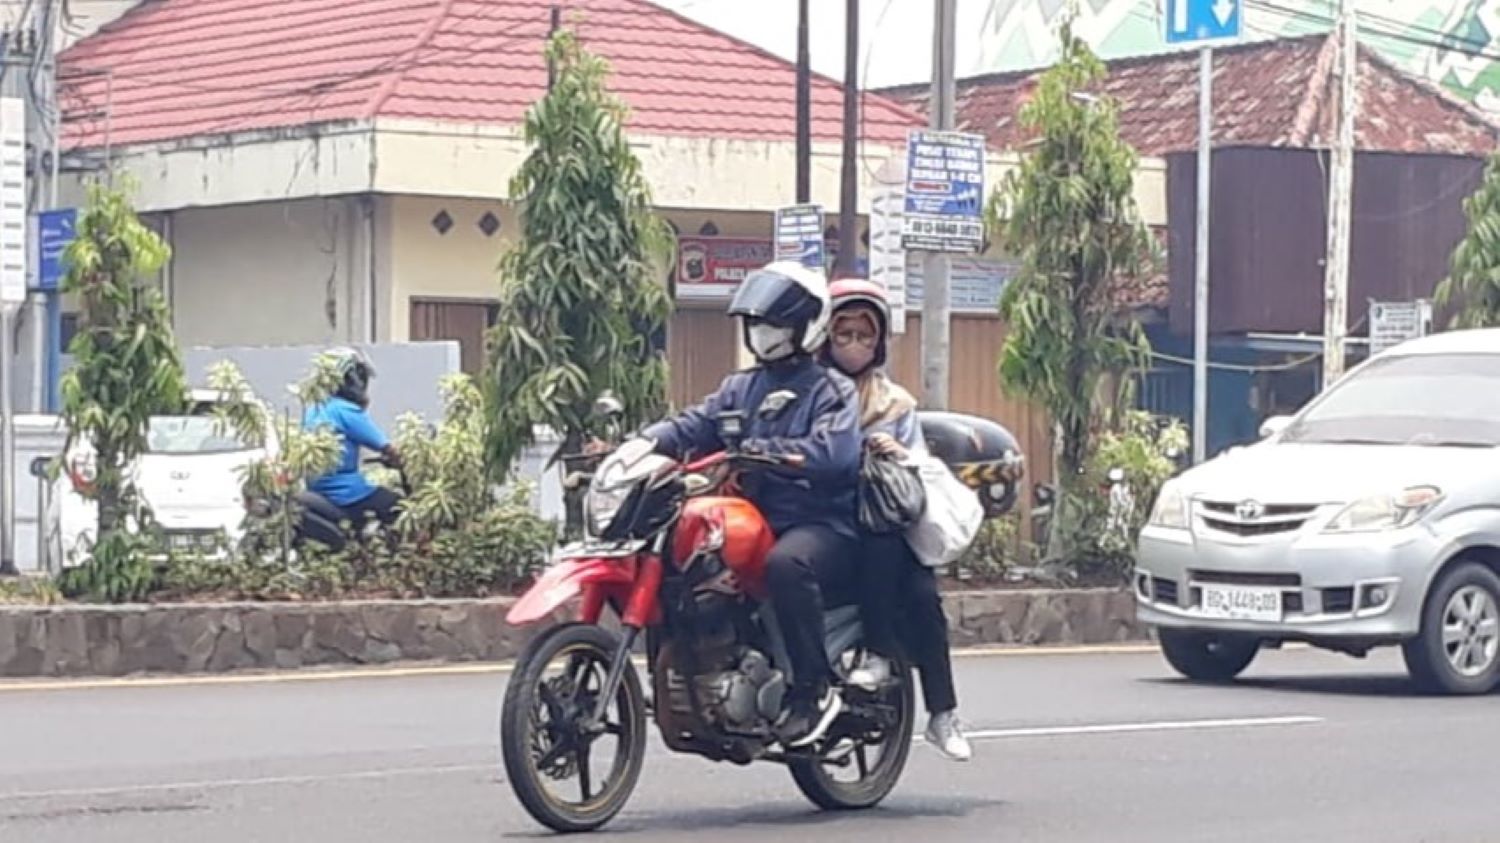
{"x": 1386, "y": 512}
{"x": 1171, "y": 509}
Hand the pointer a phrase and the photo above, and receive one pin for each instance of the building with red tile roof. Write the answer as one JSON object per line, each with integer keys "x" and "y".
{"x": 1278, "y": 93}
{"x": 176, "y": 69}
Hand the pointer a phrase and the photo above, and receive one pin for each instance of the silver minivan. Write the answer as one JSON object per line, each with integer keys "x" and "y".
{"x": 1371, "y": 518}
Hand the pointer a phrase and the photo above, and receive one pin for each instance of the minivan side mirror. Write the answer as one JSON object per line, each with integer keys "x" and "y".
{"x": 1274, "y": 425}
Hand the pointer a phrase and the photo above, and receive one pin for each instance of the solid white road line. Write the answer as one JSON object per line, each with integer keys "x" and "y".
{"x": 1128, "y": 728}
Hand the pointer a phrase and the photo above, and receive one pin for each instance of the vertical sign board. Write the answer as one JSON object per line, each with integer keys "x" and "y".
{"x": 1393, "y": 323}
{"x": 12, "y": 202}
{"x": 799, "y": 236}
{"x": 887, "y": 255}
{"x": 54, "y": 233}
{"x": 944, "y": 193}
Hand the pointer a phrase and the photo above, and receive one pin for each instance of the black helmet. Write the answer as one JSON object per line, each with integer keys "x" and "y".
{"x": 786, "y": 295}
{"x": 355, "y": 371}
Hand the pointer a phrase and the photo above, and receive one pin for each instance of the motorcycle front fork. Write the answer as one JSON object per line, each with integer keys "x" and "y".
{"x": 616, "y": 676}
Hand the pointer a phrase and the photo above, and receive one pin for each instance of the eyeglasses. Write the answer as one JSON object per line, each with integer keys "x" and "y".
{"x": 849, "y": 336}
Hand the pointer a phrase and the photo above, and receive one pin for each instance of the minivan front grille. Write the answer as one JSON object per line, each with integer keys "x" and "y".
{"x": 1166, "y": 590}
{"x": 1259, "y": 520}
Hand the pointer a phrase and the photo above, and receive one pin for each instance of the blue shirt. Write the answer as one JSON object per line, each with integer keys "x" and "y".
{"x": 345, "y": 485}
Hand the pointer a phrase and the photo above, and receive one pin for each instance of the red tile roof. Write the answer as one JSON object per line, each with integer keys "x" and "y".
{"x": 1270, "y": 93}
{"x": 173, "y": 69}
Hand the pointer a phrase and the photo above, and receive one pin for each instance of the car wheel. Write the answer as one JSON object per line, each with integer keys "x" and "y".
{"x": 1207, "y": 656}
{"x": 1458, "y": 649}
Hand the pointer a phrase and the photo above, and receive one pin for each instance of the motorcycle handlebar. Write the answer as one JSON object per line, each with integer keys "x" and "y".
{"x": 743, "y": 458}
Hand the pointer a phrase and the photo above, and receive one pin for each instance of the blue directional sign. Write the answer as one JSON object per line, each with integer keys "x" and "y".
{"x": 1203, "y": 21}
{"x": 54, "y": 233}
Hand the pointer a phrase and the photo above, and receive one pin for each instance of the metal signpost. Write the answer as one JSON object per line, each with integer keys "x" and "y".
{"x": 1202, "y": 22}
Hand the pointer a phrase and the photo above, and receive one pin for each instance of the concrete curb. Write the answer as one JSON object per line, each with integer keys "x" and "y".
{"x": 189, "y": 638}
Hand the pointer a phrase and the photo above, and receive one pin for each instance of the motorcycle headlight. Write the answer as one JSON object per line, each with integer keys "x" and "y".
{"x": 602, "y": 505}
{"x": 1386, "y": 512}
{"x": 1171, "y": 509}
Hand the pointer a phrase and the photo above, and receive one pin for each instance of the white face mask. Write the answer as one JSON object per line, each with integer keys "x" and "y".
{"x": 770, "y": 343}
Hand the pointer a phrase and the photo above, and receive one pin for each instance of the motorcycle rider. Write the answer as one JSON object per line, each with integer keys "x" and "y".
{"x": 894, "y": 584}
{"x": 345, "y": 413}
{"x": 792, "y": 405}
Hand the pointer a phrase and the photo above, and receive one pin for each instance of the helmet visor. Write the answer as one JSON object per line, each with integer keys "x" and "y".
{"x": 771, "y": 297}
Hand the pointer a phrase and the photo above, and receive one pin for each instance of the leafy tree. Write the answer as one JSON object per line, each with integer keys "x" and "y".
{"x": 1471, "y": 292}
{"x": 581, "y": 306}
{"x": 127, "y": 369}
{"x": 1068, "y": 212}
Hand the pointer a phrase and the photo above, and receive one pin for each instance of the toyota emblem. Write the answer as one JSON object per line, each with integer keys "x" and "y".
{"x": 1250, "y": 510}
{"x": 180, "y": 475}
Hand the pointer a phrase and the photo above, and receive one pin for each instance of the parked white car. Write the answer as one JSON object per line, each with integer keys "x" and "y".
{"x": 1370, "y": 518}
{"x": 190, "y": 477}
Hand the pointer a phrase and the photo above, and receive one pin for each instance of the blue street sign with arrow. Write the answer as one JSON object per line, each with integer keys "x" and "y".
{"x": 1203, "y": 21}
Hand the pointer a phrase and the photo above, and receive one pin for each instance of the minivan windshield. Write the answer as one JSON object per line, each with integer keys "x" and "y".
{"x": 196, "y": 433}
{"x": 1426, "y": 399}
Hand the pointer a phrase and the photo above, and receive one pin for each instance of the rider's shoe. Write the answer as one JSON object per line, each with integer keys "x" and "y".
{"x": 806, "y": 721}
{"x": 873, "y": 672}
{"x": 946, "y": 735}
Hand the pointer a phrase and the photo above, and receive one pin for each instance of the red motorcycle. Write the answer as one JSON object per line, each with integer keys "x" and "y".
{"x": 675, "y": 552}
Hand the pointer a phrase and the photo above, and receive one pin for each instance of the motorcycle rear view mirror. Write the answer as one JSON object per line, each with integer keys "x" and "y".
{"x": 607, "y": 406}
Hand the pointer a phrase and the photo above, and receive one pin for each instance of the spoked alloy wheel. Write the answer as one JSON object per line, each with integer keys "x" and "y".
{"x": 866, "y": 749}
{"x": 568, "y": 776}
{"x": 1458, "y": 651}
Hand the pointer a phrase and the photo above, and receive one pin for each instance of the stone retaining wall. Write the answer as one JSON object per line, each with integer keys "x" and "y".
{"x": 216, "y": 637}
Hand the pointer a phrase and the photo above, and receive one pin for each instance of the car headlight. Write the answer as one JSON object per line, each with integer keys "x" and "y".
{"x": 602, "y": 505}
{"x": 1386, "y": 512}
{"x": 1171, "y": 509}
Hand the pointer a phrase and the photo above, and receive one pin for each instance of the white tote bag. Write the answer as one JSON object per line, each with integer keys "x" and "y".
{"x": 952, "y": 518}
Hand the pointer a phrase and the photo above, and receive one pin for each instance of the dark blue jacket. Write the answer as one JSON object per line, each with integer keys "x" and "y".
{"x": 819, "y": 420}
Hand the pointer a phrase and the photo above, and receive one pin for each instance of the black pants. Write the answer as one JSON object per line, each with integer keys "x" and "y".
{"x": 324, "y": 521}
{"x": 379, "y": 506}
{"x": 904, "y": 615}
{"x": 806, "y": 561}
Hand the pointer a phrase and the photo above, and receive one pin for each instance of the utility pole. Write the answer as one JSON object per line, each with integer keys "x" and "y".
{"x": 936, "y": 265}
{"x": 1340, "y": 196}
{"x": 849, "y": 184}
{"x": 1200, "y": 280}
{"x": 804, "y": 108}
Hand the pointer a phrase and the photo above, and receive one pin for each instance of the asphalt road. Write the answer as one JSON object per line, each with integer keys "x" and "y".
{"x": 1072, "y": 747}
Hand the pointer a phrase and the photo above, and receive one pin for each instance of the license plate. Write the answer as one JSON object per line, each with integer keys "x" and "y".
{"x": 1241, "y": 604}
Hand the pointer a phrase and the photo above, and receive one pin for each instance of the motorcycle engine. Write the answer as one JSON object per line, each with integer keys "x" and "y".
{"x": 738, "y": 691}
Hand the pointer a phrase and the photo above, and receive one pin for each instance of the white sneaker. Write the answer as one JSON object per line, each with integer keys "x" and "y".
{"x": 946, "y": 735}
{"x": 873, "y": 672}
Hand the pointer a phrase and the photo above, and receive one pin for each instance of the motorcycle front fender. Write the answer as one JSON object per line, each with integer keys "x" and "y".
{"x": 566, "y": 580}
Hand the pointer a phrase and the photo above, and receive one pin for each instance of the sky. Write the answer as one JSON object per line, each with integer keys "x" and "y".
{"x": 998, "y": 35}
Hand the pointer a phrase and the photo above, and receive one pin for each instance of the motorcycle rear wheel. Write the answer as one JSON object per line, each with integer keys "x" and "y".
{"x": 538, "y": 751}
{"x": 816, "y": 780}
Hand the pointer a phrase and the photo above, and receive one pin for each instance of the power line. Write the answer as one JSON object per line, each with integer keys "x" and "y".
{"x": 1446, "y": 42}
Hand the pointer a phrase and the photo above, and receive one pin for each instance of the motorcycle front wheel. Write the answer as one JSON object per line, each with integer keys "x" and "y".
{"x": 551, "y": 755}
{"x": 853, "y": 740}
